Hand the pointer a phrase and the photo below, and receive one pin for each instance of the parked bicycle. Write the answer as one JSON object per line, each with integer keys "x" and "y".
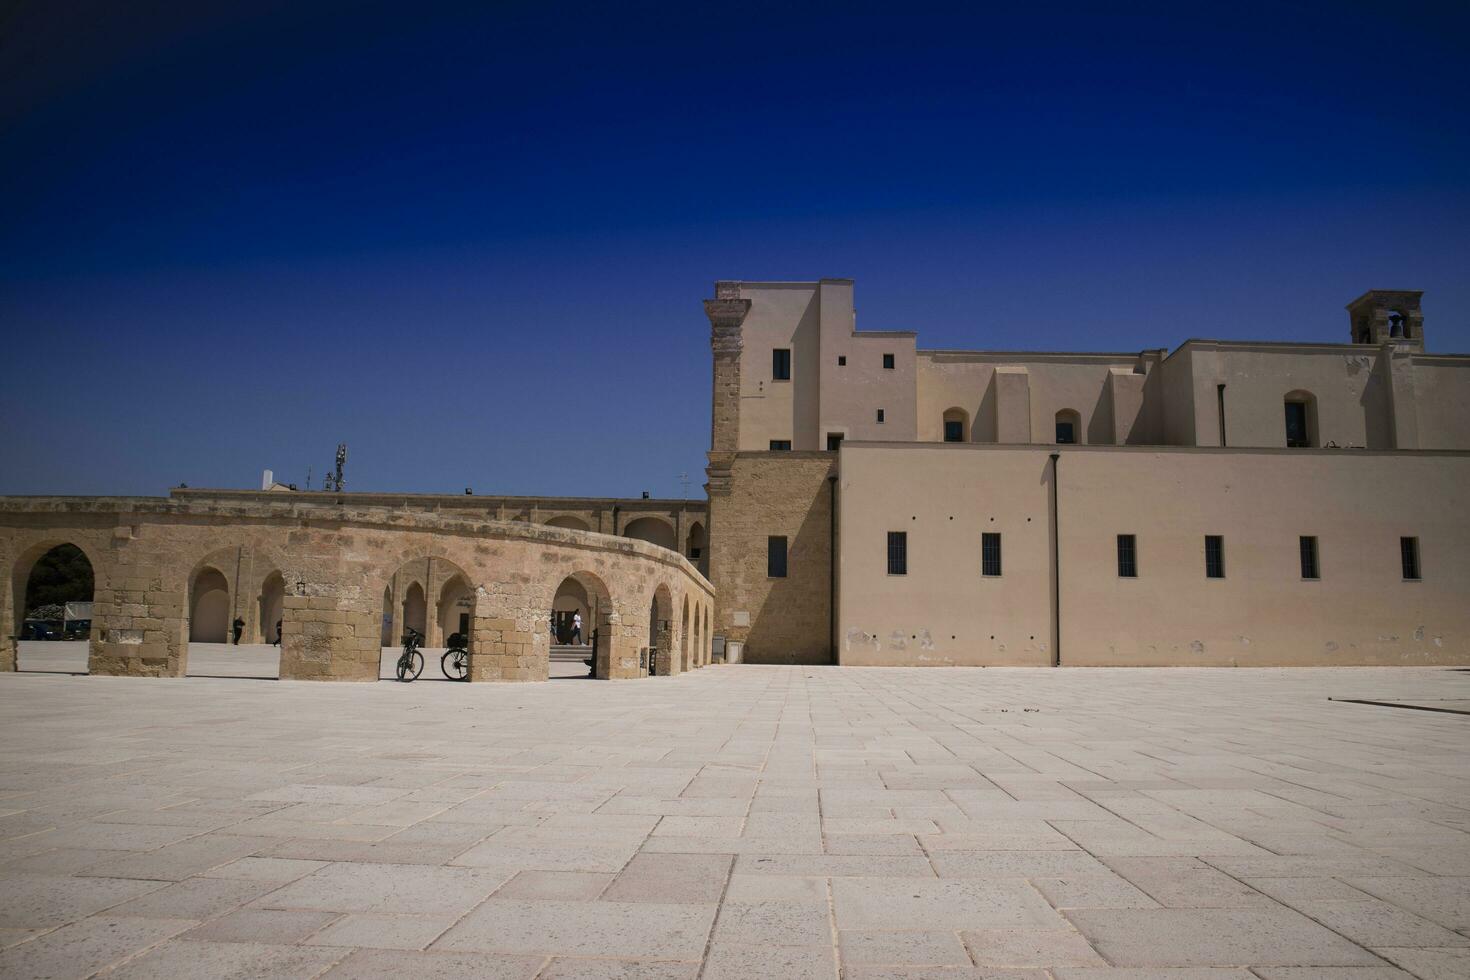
{"x": 456, "y": 660}
{"x": 411, "y": 662}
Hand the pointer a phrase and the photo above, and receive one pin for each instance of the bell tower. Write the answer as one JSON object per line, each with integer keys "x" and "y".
{"x": 1388, "y": 316}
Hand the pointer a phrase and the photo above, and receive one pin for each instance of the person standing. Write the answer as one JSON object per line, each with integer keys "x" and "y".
{"x": 278, "y": 633}
{"x": 577, "y": 627}
{"x": 239, "y": 625}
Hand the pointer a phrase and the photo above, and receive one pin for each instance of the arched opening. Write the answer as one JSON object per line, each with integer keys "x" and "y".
{"x": 1069, "y": 427}
{"x": 569, "y": 522}
{"x": 1300, "y": 410}
{"x": 435, "y": 598}
{"x": 654, "y": 530}
{"x": 209, "y": 606}
{"x": 684, "y": 636}
{"x": 708, "y": 645}
{"x": 580, "y": 620}
{"x": 660, "y": 631}
{"x": 956, "y": 425}
{"x": 695, "y": 544}
{"x": 272, "y": 609}
{"x": 456, "y": 608}
{"x": 52, "y": 595}
{"x": 698, "y": 640}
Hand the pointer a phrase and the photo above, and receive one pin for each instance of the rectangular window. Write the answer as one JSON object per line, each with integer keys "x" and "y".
{"x": 880, "y": 416}
{"x": 1296, "y": 425}
{"x": 781, "y": 364}
{"x": 1214, "y": 556}
{"x": 1066, "y": 434}
{"x": 888, "y": 361}
{"x": 1127, "y": 556}
{"x": 1409, "y": 552}
{"x": 842, "y": 360}
{"x": 781, "y": 445}
{"x": 898, "y": 553}
{"x": 990, "y": 554}
{"x": 1309, "y": 557}
{"x": 775, "y": 557}
{"x": 954, "y": 430}
{"x": 834, "y": 441}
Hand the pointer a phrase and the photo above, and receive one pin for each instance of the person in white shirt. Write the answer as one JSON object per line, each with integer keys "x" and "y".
{"x": 576, "y": 627}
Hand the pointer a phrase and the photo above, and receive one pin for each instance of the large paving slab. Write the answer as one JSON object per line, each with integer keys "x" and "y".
{"x": 736, "y": 822}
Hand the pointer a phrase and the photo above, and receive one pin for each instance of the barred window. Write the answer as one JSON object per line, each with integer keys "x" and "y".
{"x": 989, "y": 554}
{"x": 880, "y": 416}
{"x": 898, "y": 553}
{"x": 1127, "y": 556}
{"x": 775, "y": 557}
{"x": 1409, "y": 552}
{"x": 1214, "y": 556}
{"x": 781, "y": 364}
{"x": 888, "y": 361}
{"x": 781, "y": 445}
{"x": 1309, "y": 557}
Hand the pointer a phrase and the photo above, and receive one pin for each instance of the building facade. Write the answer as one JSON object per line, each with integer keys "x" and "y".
{"x": 1231, "y": 502}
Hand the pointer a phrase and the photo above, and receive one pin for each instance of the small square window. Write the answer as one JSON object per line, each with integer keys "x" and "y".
{"x": 842, "y": 360}
{"x": 775, "y": 557}
{"x": 888, "y": 361}
{"x": 834, "y": 441}
{"x": 1127, "y": 556}
{"x": 898, "y": 553}
{"x": 954, "y": 430}
{"x": 781, "y": 445}
{"x": 1409, "y": 553}
{"x": 1214, "y": 556}
{"x": 990, "y": 554}
{"x": 880, "y": 416}
{"x": 781, "y": 364}
{"x": 1308, "y": 548}
{"x": 1066, "y": 434}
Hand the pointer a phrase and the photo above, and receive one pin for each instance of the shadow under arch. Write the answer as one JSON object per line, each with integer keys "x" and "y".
{"x": 53, "y": 554}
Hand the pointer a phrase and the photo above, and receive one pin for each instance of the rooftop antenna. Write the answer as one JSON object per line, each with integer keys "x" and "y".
{"x": 308, "y": 477}
{"x": 684, "y": 481}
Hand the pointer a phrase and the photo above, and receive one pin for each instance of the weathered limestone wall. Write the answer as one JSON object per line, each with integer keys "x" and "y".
{"x": 780, "y": 620}
{"x": 336, "y": 560}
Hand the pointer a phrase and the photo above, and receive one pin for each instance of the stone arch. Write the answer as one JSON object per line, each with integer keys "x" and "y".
{"x": 661, "y": 630}
{"x": 1069, "y": 427}
{"x": 653, "y": 529}
{"x": 456, "y": 607}
{"x": 570, "y": 522}
{"x": 22, "y": 568}
{"x": 955, "y": 426}
{"x": 271, "y": 607}
{"x": 388, "y": 619}
{"x": 1299, "y": 411}
{"x": 209, "y": 605}
{"x": 684, "y": 637}
{"x": 696, "y": 543}
{"x": 597, "y": 624}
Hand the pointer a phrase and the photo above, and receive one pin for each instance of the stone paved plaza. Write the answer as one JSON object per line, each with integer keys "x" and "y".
{"x": 740, "y": 822}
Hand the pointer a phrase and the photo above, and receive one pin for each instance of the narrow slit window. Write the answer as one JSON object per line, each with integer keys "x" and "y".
{"x": 989, "y": 554}
{"x": 898, "y": 553}
{"x": 781, "y": 445}
{"x": 1309, "y": 557}
{"x": 1409, "y": 553}
{"x": 1214, "y": 556}
{"x": 1127, "y": 556}
{"x": 842, "y": 360}
{"x": 880, "y": 416}
{"x": 776, "y": 557}
{"x": 781, "y": 364}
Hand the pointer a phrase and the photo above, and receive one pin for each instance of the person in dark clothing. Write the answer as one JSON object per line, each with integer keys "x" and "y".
{"x": 278, "y": 633}
{"x": 239, "y": 625}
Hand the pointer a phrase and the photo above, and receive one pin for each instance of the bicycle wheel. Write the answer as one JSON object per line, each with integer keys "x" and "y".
{"x": 456, "y": 665}
{"x": 410, "y": 666}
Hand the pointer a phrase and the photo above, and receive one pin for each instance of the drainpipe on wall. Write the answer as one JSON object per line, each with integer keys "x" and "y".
{"x": 832, "y": 572}
{"x": 1056, "y": 568}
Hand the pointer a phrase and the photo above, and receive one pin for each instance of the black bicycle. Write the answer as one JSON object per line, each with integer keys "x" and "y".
{"x": 456, "y": 660}
{"x": 411, "y": 662}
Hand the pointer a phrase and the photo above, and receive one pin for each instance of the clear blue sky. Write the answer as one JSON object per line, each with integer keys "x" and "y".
{"x": 472, "y": 241}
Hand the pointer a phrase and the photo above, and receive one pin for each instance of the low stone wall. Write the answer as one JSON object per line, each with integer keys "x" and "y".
{"x": 336, "y": 560}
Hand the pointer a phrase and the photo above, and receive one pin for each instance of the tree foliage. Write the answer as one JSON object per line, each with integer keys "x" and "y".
{"x": 62, "y": 574}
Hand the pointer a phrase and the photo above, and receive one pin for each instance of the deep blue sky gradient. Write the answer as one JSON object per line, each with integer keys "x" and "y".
{"x": 471, "y": 241}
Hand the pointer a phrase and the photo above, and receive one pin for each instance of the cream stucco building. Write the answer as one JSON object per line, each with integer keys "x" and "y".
{"x": 1229, "y": 502}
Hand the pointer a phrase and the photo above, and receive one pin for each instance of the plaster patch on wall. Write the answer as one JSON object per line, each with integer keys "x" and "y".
{"x": 130, "y": 637}
{"x": 897, "y": 641}
{"x": 926, "y": 642}
{"x": 741, "y": 617}
{"x": 1419, "y": 634}
{"x": 1331, "y": 646}
{"x": 1245, "y": 641}
{"x": 1196, "y": 646}
{"x": 857, "y": 637}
